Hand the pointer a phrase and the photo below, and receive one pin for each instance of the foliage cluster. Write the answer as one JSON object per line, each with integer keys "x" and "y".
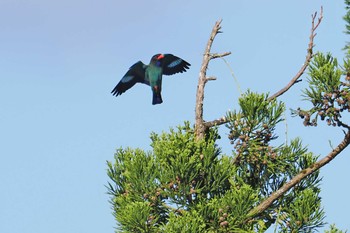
{"x": 190, "y": 185}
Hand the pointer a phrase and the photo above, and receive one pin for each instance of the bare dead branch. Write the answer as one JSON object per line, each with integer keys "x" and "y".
{"x": 296, "y": 179}
{"x": 295, "y": 79}
{"x": 216, "y": 122}
{"x": 210, "y": 78}
{"x": 218, "y": 55}
{"x": 308, "y": 58}
{"x": 199, "y": 122}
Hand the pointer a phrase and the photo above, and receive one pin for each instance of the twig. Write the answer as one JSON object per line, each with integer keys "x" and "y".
{"x": 296, "y": 179}
{"x": 218, "y": 55}
{"x": 340, "y": 123}
{"x": 210, "y": 79}
{"x": 295, "y": 79}
{"x": 216, "y": 122}
{"x": 308, "y": 58}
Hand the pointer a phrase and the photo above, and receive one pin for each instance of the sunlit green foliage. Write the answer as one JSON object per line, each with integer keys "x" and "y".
{"x": 191, "y": 185}
{"x": 328, "y": 92}
{"x": 333, "y": 229}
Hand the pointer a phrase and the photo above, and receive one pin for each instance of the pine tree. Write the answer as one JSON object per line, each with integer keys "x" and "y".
{"x": 186, "y": 183}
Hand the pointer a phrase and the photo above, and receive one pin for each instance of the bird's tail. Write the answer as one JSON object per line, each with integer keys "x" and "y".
{"x": 157, "y": 98}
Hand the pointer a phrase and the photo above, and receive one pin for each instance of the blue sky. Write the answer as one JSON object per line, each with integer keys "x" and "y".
{"x": 59, "y": 123}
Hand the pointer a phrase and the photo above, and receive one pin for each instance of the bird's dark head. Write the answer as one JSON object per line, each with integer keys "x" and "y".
{"x": 156, "y": 59}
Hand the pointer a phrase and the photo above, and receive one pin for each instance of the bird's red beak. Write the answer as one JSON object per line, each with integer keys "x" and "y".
{"x": 160, "y": 56}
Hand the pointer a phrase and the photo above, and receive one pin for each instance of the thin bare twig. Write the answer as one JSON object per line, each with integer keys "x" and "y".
{"x": 210, "y": 79}
{"x": 295, "y": 79}
{"x": 296, "y": 179}
{"x": 308, "y": 58}
{"x": 340, "y": 123}
{"x": 218, "y": 55}
{"x": 216, "y": 122}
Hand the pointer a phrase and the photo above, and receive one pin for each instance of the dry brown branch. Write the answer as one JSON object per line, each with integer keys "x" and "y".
{"x": 295, "y": 79}
{"x": 296, "y": 179}
{"x": 308, "y": 58}
{"x": 210, "y": 78}
{"x": 216, "y": 122}
{"x": 218, "y": 55}
{"x": 200, "y": 127}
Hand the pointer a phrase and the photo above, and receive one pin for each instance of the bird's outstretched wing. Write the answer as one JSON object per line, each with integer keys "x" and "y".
{"x": 172, "y": 64}
{"x": 136, "y": 73}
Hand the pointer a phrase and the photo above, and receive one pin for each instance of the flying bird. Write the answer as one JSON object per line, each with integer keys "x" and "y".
{"x": 151, "y": 74}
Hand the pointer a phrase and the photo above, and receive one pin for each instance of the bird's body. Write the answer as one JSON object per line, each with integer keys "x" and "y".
{"x": 154, "y": 76}
{"x": 151, "y": 74}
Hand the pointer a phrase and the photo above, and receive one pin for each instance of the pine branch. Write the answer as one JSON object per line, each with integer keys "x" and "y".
{"x": 295, "y": 79}
{"x": 200, "y": 127}
{"x": 296, "y": 179}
